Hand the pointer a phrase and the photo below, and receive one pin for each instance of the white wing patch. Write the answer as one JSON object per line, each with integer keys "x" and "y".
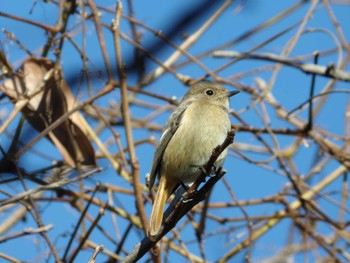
{"x": 161, "y": 137}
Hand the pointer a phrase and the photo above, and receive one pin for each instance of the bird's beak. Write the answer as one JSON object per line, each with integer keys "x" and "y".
{"x": 232, "y": 93}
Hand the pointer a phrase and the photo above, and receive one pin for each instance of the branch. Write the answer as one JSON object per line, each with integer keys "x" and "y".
{"x": 26, "y": 231}
{"x": 51, "y": 186}
{"x": 51, "y": 29}
{"x": 188, "y": 42}
{"x": 329, "y": 71}
{"x": 307, "y": 196}
{"x": 97, "y": 250}
{"x": 127, "y": 120}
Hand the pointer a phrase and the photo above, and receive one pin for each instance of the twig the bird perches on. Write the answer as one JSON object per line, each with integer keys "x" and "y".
{"x": 183, "y": 203}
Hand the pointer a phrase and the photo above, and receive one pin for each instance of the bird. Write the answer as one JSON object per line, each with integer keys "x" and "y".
{"x": 198, "y": 125}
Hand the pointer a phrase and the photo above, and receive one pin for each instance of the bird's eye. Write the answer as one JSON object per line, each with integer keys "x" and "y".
{"x": 209, "y": 92}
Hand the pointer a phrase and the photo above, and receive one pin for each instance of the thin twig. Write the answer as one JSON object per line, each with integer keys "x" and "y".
{"x": 26, "y": 231}
{"x": 328, "y": 71}
{"x": 127, "y": 122}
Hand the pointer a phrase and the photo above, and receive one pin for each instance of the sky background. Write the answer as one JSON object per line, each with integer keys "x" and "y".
{"x": 247, "y": 181}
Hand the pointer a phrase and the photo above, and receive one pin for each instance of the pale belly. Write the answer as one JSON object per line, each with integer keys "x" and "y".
{"x": 192, "y": 144}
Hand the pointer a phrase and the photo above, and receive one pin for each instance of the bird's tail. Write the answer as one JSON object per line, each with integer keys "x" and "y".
{"x": 165, "y": 188}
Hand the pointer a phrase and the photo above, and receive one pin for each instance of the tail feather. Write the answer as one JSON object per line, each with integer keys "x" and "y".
{"x": 165, "y": 189}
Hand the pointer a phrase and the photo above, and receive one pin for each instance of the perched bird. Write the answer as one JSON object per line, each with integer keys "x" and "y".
{"x": 194, "y": 129}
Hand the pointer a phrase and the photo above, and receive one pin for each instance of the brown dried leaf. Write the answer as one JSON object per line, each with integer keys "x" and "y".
{"x": 50, "y": 98}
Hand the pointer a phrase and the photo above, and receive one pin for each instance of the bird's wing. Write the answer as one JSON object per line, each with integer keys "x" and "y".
{"x": 169, "y": 130}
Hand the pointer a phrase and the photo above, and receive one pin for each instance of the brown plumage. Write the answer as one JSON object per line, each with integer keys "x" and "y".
{"x": 195, "y": 128}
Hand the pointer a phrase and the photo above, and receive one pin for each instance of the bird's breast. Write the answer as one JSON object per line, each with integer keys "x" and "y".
{"x": 203, "y": 127}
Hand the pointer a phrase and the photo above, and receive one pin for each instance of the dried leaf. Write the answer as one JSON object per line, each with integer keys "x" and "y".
{"x": 49, "y": 99}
